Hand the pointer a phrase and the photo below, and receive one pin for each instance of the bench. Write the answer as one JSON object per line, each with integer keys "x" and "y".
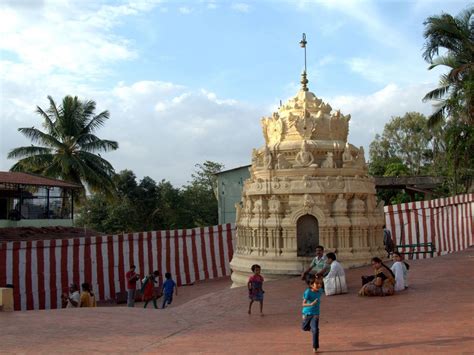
{"x": 419, "y": 248}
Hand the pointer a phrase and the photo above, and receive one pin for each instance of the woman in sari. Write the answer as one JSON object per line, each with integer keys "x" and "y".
{"x": 382, "y": 283}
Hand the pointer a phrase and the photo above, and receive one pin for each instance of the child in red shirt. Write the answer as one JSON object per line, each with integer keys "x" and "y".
{"x": 255, "y": 287}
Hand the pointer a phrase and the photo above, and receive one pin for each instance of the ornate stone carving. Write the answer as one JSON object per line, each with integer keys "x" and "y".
{"x": 304, "y": 157}
{"x": 258, "y": 207}
{"x": 305, "y": 125}
{"x": 274, "y": 205}
{"x": 308, "y": 203}
{"x": 339, "y": 126}
{"x": 276, "y": 183}
{"x": 361, "y": 158}
{"x": 340, "y": 205}
{"x": 272, "y": 128}
{"x": 282, "y": 163}
{"x": 347, "y": 158}
{"x": 248, "y": 206}
{"x": 357, "y": 206}
{"x": 267, "y": 158}
{"x": 238, "y": 210}
{"x": 329, "y": 161}
{"x": 255, "y": 158}
{"x": 307, "y": 181}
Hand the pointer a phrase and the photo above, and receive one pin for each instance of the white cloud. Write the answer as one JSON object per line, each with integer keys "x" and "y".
{"x": 163, "y": 129}
{"x": 66, "y": 37}
{"x": 185, "y": 10}
{"x": 172, "y": 130}
{"x": 240, "y": 7}
{"x": 327, "y": 59}
{"x": 370, "y": 69}
{"x": 370, "y": 113}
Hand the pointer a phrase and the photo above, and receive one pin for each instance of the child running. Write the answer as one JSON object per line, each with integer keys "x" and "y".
{"x": 168, "y": 287}
{"x": 311, "y": 301}
{"x": 255, "y": 286}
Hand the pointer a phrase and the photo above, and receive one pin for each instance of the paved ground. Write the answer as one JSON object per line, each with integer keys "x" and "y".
{"x": 436, "y": 315}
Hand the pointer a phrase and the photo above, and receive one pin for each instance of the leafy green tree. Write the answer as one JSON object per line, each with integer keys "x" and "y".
{"x": 460, "y": 155}
{"x": 454, "y": 38}
{"x": 405, "y": 140}
{"x": 170, "y": 212}
{"x": 146, "y": 206}
{"x": 67, "y": 146}
{"x": 396, "y": 169}
{"x": 200, "y": 195}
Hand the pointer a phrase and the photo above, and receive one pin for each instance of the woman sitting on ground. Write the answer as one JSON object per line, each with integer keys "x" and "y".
{"x": 382, "y": 283}
{"x": 335, "y": 281}
{"x": 400, "y": 269}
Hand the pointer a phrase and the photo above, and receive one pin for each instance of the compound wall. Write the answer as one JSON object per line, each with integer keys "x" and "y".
{"x": 42, "y": 270}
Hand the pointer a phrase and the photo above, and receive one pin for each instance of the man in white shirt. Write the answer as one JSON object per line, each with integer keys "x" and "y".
{"x": 335, "y": 280}
{"x": 74, "y": 297}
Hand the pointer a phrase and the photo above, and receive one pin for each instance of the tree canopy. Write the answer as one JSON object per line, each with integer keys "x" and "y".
{"x": 146, "y": 205}
{"x": 404, "y": 146}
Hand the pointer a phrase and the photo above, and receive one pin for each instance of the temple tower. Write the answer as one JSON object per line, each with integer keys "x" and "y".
{"x": 308, "y": 186}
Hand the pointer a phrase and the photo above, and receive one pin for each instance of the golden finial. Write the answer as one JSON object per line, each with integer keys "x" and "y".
{"x": 304, "y": 80}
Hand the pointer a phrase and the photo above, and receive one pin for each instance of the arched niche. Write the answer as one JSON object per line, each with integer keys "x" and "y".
{"x": 307, "y": 235}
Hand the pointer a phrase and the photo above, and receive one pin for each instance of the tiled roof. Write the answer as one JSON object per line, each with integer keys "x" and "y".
{"x": 8, "y": 177}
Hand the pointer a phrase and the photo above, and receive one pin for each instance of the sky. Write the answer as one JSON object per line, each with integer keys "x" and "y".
{"x": 188, "y": 81}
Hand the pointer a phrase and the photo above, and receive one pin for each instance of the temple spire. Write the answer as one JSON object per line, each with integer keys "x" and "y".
{"x": 304, "y": 79}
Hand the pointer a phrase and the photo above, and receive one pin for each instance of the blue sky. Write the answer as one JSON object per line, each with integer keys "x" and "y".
{"x": 188, "y": 81}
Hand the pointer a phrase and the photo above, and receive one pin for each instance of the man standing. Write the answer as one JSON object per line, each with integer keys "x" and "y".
{"x": 318, "y": 265}
{"x": 132, "y": 278}
{"x": 387, "y": 241}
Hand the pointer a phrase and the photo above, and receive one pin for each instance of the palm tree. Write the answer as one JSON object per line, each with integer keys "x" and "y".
{"x": 66, "y": 149}
{"x": 454, "y": 36}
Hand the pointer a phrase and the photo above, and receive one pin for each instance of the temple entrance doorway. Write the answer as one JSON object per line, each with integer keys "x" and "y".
{"x": 307, "y": 235}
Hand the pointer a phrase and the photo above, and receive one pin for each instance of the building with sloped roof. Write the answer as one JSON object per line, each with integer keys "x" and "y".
{"x": 33, "y": 200}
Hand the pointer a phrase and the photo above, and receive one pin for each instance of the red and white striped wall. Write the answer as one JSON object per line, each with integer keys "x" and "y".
{"x": 42, "y": 270}
{"x": 446, "y": 222}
